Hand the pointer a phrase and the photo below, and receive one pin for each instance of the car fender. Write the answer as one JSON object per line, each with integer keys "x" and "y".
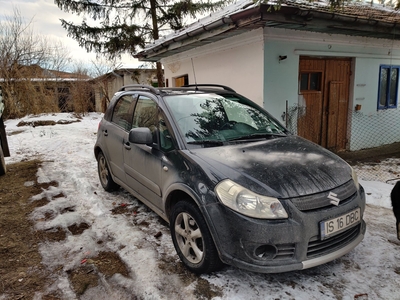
{"x": 202, "y": 204}
{"x": 97, "y": 150}
{"x": 173, "y": 188}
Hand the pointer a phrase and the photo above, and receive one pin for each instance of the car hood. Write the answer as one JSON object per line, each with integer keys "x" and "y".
{"x": 281, "y": 167}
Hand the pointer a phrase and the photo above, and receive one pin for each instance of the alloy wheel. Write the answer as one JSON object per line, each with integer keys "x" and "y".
{"x": 189, "y": 238}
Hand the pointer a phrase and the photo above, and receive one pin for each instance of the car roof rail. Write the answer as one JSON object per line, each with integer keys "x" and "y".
{"x": 227, "y": 88}
{"x": 139, "y": 87}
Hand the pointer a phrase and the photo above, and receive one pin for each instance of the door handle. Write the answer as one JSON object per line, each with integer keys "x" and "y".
{"x": 127, "y": 146}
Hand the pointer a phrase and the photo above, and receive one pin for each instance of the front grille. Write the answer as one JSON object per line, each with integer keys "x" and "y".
{"x": 345, "y": 193}
{"x": 285, "y": 251}
{"x": 316, "y": 247}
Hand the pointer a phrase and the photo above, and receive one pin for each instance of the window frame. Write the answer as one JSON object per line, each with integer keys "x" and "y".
{"x": 309, "y": 74}
{"x": 388, "y": 87}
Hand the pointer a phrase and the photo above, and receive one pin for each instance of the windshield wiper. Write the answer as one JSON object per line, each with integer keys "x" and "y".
{"x": 258, "y": 136}
{"x": 209, "y": 142}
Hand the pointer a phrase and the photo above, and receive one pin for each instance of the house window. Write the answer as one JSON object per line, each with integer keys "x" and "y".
{"x": 388, "y": 86}
{"x": 310, "y": 81}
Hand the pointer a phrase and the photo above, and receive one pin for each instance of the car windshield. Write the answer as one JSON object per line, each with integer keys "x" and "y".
{"x": 213, "y": 119}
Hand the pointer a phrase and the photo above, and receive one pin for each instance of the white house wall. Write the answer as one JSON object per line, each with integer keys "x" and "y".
{"x": 368, "y": 127}
{"x": 280, "y": 77}
{"x": 236, "y": 62}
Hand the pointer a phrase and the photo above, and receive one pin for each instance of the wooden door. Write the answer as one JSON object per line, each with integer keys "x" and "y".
{"x": 311, "y": 79}
{"x": 324, "y": 90}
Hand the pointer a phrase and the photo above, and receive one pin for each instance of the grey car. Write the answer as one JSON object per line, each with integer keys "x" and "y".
{"x": 234, "y": 185}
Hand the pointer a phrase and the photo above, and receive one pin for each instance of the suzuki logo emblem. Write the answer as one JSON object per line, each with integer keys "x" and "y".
{"x": 334, "y": 199}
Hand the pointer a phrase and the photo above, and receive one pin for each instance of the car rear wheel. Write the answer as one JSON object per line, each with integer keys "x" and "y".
{"x": 3, "y": 168}
{"x": 104, "y": 174}
{"x": 192, "y": 239}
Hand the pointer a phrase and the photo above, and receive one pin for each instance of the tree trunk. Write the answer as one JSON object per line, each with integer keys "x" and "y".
{"x": 160, "y": 75}
{"x": 153, "y": 8}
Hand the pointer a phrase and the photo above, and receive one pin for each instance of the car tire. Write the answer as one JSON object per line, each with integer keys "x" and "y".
{"x": 192, "y": 239}
{"x": 104, "y": 174}
{"x": 3, "y": 168}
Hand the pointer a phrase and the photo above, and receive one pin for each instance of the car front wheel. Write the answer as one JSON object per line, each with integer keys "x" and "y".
{"x": 104, "y": 174}
{"x": 192, "y": 239}
{"x": 3, "y": 168}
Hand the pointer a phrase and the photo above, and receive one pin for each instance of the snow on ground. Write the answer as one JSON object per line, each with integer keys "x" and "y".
{"x": 372, "y": 268}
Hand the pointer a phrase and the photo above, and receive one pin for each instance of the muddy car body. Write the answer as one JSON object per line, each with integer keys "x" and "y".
{"x": 235, "y": 186}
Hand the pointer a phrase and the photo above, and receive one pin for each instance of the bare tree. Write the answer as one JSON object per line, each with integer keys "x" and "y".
{"x": 101, "y": 84}
{"x": 26, "y": 59}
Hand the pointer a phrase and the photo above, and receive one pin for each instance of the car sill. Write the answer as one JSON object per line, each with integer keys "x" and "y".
{"x": 327, "y": 258}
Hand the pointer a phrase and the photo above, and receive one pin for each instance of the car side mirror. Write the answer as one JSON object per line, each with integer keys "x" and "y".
{"x": 141, "y": 135}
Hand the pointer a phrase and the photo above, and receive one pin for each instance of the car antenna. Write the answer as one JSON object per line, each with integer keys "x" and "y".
{"x": 194, "y": 75}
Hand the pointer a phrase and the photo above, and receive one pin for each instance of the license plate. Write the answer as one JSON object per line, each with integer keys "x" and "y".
{"x": 333, "y": 226}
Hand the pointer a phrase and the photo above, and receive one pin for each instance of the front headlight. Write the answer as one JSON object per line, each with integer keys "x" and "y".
{"x": 355, "y": 178}
{"x": 248, "y": 203}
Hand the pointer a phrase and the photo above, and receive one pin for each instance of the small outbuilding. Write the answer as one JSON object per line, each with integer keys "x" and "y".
{"x": 107, "y": 85}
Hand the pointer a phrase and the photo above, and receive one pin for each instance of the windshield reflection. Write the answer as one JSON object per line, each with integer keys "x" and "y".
{"x": 212, "y": 118}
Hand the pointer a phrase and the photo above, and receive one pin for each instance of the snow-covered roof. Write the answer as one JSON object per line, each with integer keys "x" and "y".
{"x": 208, "y": 21}
{"x": 218, "y": 20}
{"x": 355, "y": 18}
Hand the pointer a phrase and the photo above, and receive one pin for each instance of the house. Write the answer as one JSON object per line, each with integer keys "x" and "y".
{"x": 109, "y": 83}
{"x": 330, "y": 74}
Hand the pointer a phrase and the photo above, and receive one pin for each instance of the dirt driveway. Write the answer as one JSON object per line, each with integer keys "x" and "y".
{"x": 21, "y": 270}
{"x": 76, "y": 241}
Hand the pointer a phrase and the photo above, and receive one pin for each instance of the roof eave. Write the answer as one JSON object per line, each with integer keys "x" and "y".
{"x": 187, "y": 38}
{"x": 288, "y": 16}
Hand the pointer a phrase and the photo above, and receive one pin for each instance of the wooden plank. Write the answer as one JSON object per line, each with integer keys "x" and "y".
{"x": 335, "y": 90}
{"x": 334, "y": 133}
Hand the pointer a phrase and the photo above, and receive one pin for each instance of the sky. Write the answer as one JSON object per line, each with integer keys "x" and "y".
{"x": 45, "y": 16}
{"x": 372, "y": 269}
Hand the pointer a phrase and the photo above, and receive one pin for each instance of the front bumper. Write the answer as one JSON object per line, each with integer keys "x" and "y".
{"x": 274, "y": 246}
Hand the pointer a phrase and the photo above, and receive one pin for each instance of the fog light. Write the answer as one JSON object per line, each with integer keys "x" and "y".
{"x": 266, "y": 252}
